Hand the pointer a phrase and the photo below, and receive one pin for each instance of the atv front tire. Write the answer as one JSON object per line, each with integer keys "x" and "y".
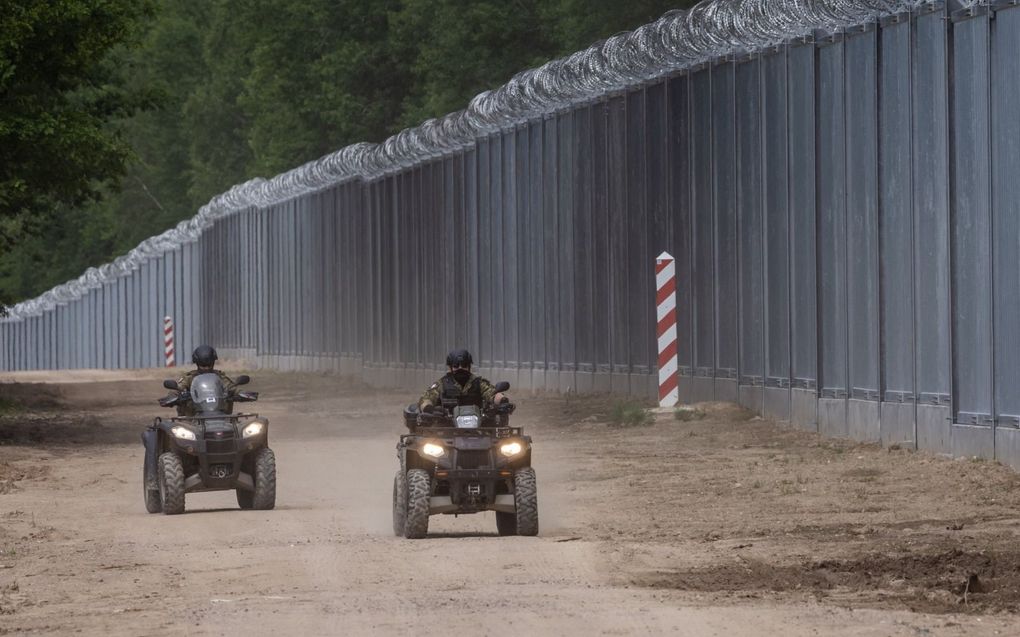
{"x": 419, "y": 487}
{"x": 264, "y": 497}
{"x": 526, "y": 501}
{"x": 399, "y": 503}
{"x": 170, "y": 473}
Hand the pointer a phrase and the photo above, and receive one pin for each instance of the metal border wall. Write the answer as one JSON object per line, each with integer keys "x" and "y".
{"x": 841, "y": 202}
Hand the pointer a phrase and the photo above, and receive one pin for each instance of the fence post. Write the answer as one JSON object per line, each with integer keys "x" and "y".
{"x": 665, "y": 306}
{"x": 168, "y": 340}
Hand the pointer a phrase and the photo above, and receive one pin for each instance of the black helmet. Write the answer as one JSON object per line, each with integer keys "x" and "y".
{"x": 204, "y": 356}
{"x": 459, "y": 358}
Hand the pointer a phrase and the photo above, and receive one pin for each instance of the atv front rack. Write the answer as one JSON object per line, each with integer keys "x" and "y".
{"x": 206, "y": 417}
{"x": 480, "y": 432}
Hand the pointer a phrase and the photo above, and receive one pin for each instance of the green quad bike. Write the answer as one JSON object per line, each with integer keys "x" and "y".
{"x": 464, "y": 459}
{"x": 212, "y": 450}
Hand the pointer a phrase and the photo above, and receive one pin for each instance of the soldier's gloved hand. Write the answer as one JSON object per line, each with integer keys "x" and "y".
{"x": 426, "y": 408}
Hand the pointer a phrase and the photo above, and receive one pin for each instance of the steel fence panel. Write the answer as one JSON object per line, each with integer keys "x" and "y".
{"x": 640, "y": 284}
{"x": 616, "y": 179}
{"x": 703, "y": 275}
{"x": 534, "y": 276}
{"x": 896, "y": 207}
{"x": 553, "y": 242}
{"x": 803, "y": 230}
{"x": 600, "y": 274}
{"x": 1005, "y": 95}
{"x": 486, "y": 263}
{"x": 832, "y": 221}
{"x": 971, "y": 224}
{"x": 862, "y": 213}
{"x": 680, "y": 176}
{"x": 584, "y": 215}
{"x": 931, "y": 206}
{"x": 724, "y": 184}
{"x": 777, "y": 225}
{"x": 468, "y": 166}
{"x": 574, "y": 347}
{"x": 750, "y": 222}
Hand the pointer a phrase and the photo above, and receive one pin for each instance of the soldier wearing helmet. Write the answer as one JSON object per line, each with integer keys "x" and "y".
{"x": 460, "y": 385}
{"x": 204, "y": 357}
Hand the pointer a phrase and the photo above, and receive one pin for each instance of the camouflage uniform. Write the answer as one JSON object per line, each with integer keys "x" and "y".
{"x": 184, "y": 384}
{"x": 476, "y": 391}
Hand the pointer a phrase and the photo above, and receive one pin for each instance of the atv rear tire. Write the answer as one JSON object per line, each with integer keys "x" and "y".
{"x": 399, "y": 503}
{"x": 245, "y": 499}
{"x": 526, "y": 501}
{"x": 264, "y": 497}
{"x": 419, "y": 487}
{"x": 153, "y": 503}
{"x": 506, "y": 523}
{"x": 170, "y": 473}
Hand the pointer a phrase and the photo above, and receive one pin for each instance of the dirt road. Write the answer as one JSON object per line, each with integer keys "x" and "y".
{"x": 722, "y": 526}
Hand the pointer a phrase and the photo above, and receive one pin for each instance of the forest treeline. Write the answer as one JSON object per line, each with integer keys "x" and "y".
{"x": 119, "y": 118}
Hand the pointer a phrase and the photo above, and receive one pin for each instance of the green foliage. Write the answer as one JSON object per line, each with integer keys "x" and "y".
{"x": 59, "y": 91}
{"x": 686, "y": 413}
{"x": 630, "y": 414}
{"x": 231, "y": 90}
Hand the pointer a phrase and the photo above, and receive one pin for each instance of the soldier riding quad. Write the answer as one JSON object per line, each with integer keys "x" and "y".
{"x": 464, "y": 459}
{"x": 207, "y": 448}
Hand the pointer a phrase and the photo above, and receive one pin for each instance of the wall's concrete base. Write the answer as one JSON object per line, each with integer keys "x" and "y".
{"x": 863, "y": 420}
{"x": 525, "y": 379}
{"x": 804, "y": 409}
{"x": 726, "y": 390}
{"x": 933, "y": 429}
{"x": 973, "y": 441}
{"x": 777, "y": 403}
{"x": 685, "y": 389}
{"x": 619, "y": 383}
{"x": 832, "y": 417}
{"x": 602, "y": 383}
{"x": 897, "y": 426}
{"x": 1007, "y": 446}
{"x": 650, "y": 384}
{"x": 584, "y": 382}
{"x": 702, "y": 389}
{"x": 752, "y": 397}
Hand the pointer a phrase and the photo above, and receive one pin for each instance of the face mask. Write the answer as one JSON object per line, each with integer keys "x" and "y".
{"x": 461, "y": 375}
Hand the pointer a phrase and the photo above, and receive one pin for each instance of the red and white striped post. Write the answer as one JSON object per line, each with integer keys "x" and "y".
{"x": 168, "y": 340}
{"x": 665, "y": 312}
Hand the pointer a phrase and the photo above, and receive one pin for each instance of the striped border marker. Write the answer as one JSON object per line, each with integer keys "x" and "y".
{"x": 665, "y": 312}
{"x": 168, "y": 340}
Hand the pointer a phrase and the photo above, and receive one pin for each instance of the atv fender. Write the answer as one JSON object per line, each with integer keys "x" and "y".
{"x": 150, "y": 438}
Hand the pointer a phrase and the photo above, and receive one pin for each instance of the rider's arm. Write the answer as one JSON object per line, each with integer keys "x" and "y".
{"x": 489, "y": 394}
{"x": 430, "y": 397}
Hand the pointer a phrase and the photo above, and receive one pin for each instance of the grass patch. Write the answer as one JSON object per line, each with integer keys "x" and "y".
{"x": 629, "y": 414}
{"x": 687, "y": 414}
{"x": 10, "y": 406}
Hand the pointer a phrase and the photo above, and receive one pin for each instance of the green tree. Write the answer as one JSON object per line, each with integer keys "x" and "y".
{"x": 57, "y": 94}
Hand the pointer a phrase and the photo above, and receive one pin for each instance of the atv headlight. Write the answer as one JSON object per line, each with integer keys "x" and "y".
{"x": 182, "y": 432}
{"x": 432, "y": 449}
{"x": 253, "y": 428}
{"x": 511, "y": 449}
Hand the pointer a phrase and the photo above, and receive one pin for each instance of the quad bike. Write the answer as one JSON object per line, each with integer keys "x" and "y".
{"x": 464, "y": 459}
{"x": 207, "y": 448}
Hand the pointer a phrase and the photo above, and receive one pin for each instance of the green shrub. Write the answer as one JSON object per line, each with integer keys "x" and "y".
{"x": 686, "y": 414}
{"x": 629, "y": 414}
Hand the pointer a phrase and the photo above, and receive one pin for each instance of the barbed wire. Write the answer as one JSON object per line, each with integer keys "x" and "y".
{"x": 676, "y": 41}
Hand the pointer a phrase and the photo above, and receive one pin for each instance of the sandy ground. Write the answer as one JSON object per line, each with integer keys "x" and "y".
{"x": 728, "y": 525}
